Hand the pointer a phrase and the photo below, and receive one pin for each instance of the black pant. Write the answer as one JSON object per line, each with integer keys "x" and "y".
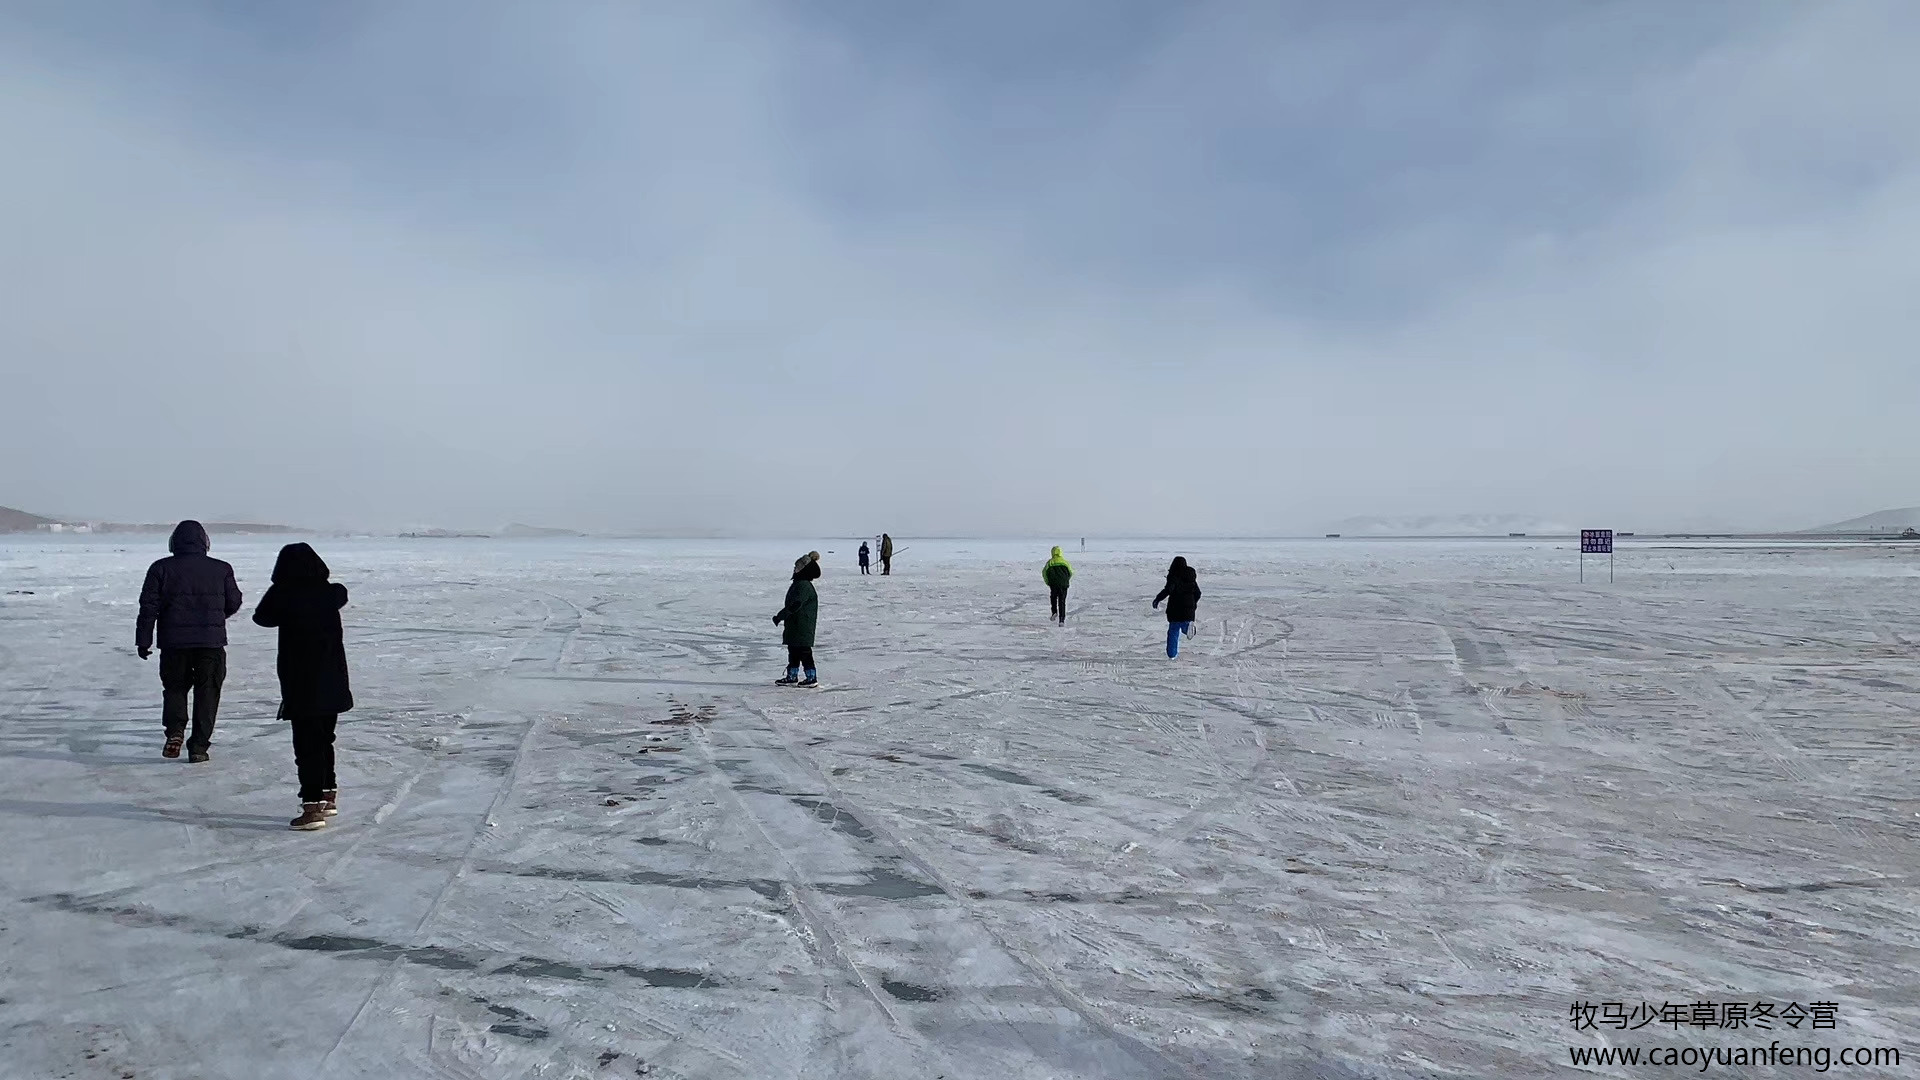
{"x": 800, "y": 656}
{"x": 1057, "y": 601}
{"x": 313, "y": 755}
{"x": 886, "y": 564}
{"x": 201, "y": 671}
{"x": 865, "y": 567}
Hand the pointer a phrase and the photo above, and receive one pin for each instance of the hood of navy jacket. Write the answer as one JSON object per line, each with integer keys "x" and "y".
{"x": 189, "y": 538}
{"x": 299, "y": 562}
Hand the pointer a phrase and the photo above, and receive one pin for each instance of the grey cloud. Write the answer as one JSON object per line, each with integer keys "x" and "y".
{"x": 1249, "y": 268}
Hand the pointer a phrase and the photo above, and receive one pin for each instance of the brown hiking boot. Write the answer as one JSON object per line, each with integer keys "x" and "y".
{"x": 313, "y": 815}
{"x": 172, "y": 749}
{"x": 332, "y": 799}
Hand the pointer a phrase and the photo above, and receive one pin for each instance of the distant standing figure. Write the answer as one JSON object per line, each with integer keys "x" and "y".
{"x": 866, "y": 555}
{"x": 190, "y": 597}
{"x": 1057, "y": 574}
{"x": 313, "y": 672}
{"x": 1182, "y": 595}
{"x": 801, "y": 614}
{"x": 886, "y": 554}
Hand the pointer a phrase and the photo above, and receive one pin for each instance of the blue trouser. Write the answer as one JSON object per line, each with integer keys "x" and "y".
{"x": 1174, "y": 630}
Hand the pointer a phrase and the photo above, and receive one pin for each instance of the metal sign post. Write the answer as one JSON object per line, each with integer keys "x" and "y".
{"x": 1596, "y": 542}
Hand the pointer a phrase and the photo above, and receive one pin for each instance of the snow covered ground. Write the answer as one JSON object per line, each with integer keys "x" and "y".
{"x": 1398, "y": 808}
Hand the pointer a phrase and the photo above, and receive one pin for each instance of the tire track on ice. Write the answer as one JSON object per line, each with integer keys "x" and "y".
{"x": 1142, "y": 1055}
{"x": 460, "y": 872}
{"x": 826, "y": 935}
{"x": 464, "y": 866}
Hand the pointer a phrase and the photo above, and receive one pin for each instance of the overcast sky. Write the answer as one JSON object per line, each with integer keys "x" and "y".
{"x": 1073, "y": 266}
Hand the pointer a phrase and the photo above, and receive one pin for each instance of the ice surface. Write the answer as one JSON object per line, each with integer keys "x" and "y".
{"x": 1395, "y": 809}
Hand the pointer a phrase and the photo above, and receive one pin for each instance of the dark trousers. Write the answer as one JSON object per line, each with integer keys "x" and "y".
{"x": 1057, "y": 602}
{"x": 313, "y": 755}
{"x": 200, "y": 671}
{"x": 800, "y": 656}
{"x": 886, "y": 564}
{"x": 865, "y": 567}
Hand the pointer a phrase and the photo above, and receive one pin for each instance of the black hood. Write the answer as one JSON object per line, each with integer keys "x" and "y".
{"x": 189, "y": 538}
{"x": 1179, "y": 566}
{"x": 299, "y": 562}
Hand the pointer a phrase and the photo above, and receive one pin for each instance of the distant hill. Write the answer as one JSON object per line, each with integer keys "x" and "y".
{"x": 16, "y": 521}
{"x": 534, "y": 530}
{"x": 1449, "y": 525}
{"x": 1893, "y": 521}
{"x": 215, "y": 528}
{"x": 19, "y": 521}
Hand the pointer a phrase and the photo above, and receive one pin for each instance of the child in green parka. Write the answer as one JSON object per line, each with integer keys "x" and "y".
{"x": 1057, "y": 574}
{"x": 800, "y": 615}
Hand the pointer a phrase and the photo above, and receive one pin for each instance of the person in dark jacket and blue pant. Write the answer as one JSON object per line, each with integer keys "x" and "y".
{"x": 798, "y": 617}
{"x": 1182, "y": 594}
{"x": 189, "y": 597}
{"x": 312, "y": 665}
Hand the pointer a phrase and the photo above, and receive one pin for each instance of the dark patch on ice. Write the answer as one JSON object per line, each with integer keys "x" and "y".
{"x": 534, "y": 967}
{"x": 1229, "y": 1004}
{"x": 767, "y": 887}
{"x": 361, "y": 948}
{"x": 839, "y": 819}
{"x": 907, "y": 991}
{"x": 1820, "y": 886}
{"x": 608, "y": 1057}
{"x": 1260, "y": 994}
{"x": 1008, "y": 776}
{"x": 514, "y": 1023}
{"x": 672, "y": 978}
{"x": 1478, "y": 654}
{"x": 328, "y": 943}
{"x": 652, "y": 841}
{"x": 840, "y": 771}
{"x": 882, "y": 884}
{"x": 130, "y": 812}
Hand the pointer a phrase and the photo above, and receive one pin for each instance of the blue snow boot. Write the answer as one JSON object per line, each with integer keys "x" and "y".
{"x": 793, "y": 676}
{"x": 812, "y": 679}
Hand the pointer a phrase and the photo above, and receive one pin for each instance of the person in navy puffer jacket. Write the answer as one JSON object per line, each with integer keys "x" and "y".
{"x": 189, "y": 597}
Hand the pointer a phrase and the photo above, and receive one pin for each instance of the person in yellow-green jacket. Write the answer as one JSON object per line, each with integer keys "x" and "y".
{"x": 1057, "y": 574}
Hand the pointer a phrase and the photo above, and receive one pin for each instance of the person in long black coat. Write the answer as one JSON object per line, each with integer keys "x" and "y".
{"x": 313, "y": 671}
{"x": 1182, "y": 594}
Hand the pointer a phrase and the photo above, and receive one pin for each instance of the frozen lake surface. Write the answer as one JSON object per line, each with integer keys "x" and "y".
{"x": 1396, "y": 809}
